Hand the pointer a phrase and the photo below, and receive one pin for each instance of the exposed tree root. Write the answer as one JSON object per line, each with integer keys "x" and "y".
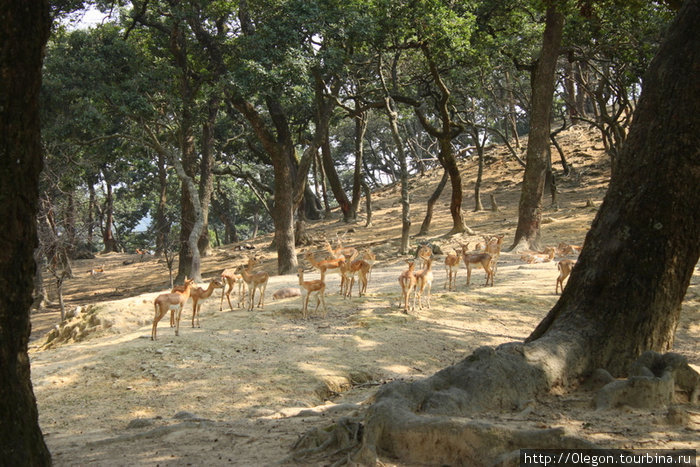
{"x": 435, "y": 421}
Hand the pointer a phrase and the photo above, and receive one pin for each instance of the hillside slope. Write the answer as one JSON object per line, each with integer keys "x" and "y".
{"x": 243, "y": 387}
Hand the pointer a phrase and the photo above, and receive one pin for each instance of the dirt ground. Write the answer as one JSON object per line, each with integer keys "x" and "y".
{"x": 245, "y": 385}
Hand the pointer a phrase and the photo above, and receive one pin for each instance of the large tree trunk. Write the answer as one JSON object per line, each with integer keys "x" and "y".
{"x": 23, "y": 33}
{"x": 334, "y": 181}
{"x": 425, "y": 226}
{"x": 206, "y": 180}
{"x": 623, "y": 298}
{"x": 527, "y": 234}
{"x": 640, "y": 252}
{"x": 450, "y": 163}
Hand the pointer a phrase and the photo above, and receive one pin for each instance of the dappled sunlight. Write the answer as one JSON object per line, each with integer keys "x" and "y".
{"x": 248, "y": 374}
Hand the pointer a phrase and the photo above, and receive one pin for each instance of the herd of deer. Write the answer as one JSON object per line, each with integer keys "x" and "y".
{"x": 484, "y": 255}
{"x": 349, "y": 263}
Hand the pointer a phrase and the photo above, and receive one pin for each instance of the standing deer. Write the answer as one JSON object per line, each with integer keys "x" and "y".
{"x": 254, "y": 281}
{"x": 565, "y": 266}
{"x": 168, "y": 301}
{"x": 318, "y": 287}
{"x": 199, "y": 294}
{"x": 424, "y": 281}
{"x": 485, "y": 260}
{"x": 451, "y": 268}
{"x": 229, "y": 277}
{"x": 407, "y": 281}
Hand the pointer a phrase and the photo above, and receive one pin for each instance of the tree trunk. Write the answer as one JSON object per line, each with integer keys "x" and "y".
{"x": 283, "y": 217}
{"x": 360, "y": 129}
{"x": 23, "y": 33}
{"x": 425, "y": 226}
{"x": 450, "y": 163}
{"x": 334, "y": 180}
{"x": 623, "y": 297}
{"x": 161, "y": 220}
{"x": 195, "y": 265}
{"x": 110, "y": 244}
{"x": 527, "y": 233}
{"x": 512, "y": 114}
{"x": 368, "y": 204}
{"x": 405, "y": 199}
{"x": 206, "y": 180}
{"x": 478, "y": 206}
{"x": 639, "y": 255}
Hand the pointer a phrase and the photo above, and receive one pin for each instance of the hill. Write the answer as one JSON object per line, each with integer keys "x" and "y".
{"x": 243, "y": 387}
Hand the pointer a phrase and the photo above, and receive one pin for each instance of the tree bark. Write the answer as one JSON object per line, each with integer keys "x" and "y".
{"x": 110, "y": 243}
{"x": 206, "y": 180}
{"x": 425, "y": 226}
{"x": 527, "y": 233}
{"x": 623, "y": 297}
{"x": 161, "y": 220}
{"x": 23, "y": 34}
{"x": 639, "y": 254}
{"x": 360, "y": 130}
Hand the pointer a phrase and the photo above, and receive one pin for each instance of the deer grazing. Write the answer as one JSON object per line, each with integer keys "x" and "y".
{"x": 424, "y": 282}
{"x": 407, "y": 281}
{"x": 254, "y": 281}
{"x": 229, "y": 278}
{"x": 167, "y": 301}
{"x": 451, "y": 268}
{"x": 485, "y": 260}
{"x": 318, "y": 287}
{"x": 565, "y": 266}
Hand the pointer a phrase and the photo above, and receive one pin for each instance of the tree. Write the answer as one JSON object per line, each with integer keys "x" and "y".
{"x": 527, "y": 233}
{"x": 624, "y": 295}
{"x": 23, "y": 34}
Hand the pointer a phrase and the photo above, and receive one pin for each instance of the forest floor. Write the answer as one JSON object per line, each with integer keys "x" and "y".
{"x": 244, "y": 386}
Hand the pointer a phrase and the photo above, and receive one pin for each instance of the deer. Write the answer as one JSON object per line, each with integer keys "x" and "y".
{"x": 545, "y": 257}
{"x": 229, "y": 278}
{"x": 316, "y": 286}
{"x": 286, "y": 292}
{"x": 328, "y": 265}
{"x": 168, "y": 301}
{"x": 349, "y": 253}
{"x": 425, "y": 252}
{"x": 424, "y": 281}
{"x": 565, "y": 266}
{"x": 199, "y": 294}
{"x": 493, "y": 247}
{"x": 565, "y": 249}
{"x": 369, "y": 256}
{"x": 407, "y": 281}
{"x": 141, "y": 253}
{"x": 97, "y": 271}
{"x": 485, "y": 260}
{"x": 360, "y": 267}
{"x": 451, "y": 268}
{"x": 254, "y": 281}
